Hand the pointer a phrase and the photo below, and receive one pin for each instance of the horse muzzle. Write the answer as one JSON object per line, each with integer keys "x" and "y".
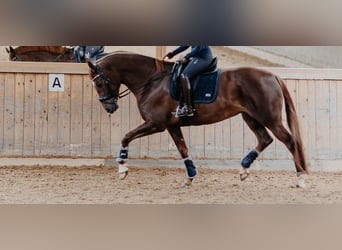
{"x": 110, "y": 107}
{"x": 109, "y": 103}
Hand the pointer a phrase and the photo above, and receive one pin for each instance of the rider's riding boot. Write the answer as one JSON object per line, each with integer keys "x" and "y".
{"x": 186, "y": 108}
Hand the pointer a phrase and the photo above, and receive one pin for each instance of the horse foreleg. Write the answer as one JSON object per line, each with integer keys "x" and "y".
{"x": 143, "y": 130}
{"x": 178, "y": 138}
{"x": 122, "y": 160}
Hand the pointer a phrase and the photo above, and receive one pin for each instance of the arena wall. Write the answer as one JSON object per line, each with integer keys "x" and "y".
{"x": 37, "y": 122}
{"x": 315, "y": 56}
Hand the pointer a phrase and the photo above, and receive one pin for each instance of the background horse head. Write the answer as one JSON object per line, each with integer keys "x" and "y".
{"x": 255, "y": 94}
{"x": 41, "y": 53}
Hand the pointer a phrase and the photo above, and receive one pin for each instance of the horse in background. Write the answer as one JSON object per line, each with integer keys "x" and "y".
{"x": 78, "y": 54}
{"x": 41, "y": 54}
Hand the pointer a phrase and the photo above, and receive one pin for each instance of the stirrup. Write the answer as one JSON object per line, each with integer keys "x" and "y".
{"x": 184, "y": 111}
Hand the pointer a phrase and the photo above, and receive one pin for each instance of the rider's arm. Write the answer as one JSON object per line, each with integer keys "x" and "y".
{"x": 179, "y": 50}
{"x": 194, "y": 51}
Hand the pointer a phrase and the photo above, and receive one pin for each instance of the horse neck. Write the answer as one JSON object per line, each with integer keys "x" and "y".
{"x": 136, "y": 73}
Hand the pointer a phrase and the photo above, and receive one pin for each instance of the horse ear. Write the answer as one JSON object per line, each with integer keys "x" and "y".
{"x": 91, "y": 65}
{"x": 10, "y": 50}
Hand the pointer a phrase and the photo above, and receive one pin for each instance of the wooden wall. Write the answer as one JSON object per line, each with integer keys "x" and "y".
{"x": 36, "y": 122}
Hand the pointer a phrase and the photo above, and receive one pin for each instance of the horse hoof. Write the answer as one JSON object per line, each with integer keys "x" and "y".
{"x": 301, "y": 184}
{"x": 244, "y": 173}
{"x": 301, "y": 181}
{"x": 188, "y": 183}
{"x": 123, "y": 171}
{"x": 123, "y": 175}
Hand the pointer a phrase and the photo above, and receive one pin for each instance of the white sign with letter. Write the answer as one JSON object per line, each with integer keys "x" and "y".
{"x": 56, "y": 82}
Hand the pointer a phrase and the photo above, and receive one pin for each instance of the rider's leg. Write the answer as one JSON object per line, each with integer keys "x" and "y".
{"x": 185, "y": 109}
{"x": 194, "y": 68}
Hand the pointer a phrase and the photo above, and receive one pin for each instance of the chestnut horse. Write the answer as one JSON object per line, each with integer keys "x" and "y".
{"x": 41, "y": 54}
{"x": 256, "y": 94}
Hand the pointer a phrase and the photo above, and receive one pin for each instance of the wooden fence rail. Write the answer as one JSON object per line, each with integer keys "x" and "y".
{"x": 35, "y": 121}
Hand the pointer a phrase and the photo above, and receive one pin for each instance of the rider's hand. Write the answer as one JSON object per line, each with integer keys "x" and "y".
{"x": 169, "y": 55}
{"x": 184, "y": 60}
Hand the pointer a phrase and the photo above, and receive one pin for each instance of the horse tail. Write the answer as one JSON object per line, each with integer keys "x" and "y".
{"x": 293, "y": 123}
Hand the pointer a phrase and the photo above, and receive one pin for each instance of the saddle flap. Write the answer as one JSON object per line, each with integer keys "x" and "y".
{"x": 204, "y": 88}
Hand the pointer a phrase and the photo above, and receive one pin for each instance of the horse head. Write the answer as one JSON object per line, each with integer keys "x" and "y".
{"x": 12, "y": 55}
{"x": 107, "y": 88}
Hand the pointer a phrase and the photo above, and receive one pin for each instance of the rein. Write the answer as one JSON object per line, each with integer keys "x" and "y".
{"x": 158, "y": 75}
{"x": 124, "y": 93}
{"x": 155, "y": 77}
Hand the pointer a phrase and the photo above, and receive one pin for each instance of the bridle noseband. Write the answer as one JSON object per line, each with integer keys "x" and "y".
{"x": 15, "y": 58}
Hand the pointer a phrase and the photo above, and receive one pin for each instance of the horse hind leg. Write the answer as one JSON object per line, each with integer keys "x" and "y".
{"x": 264, "y": 139}
{"x": 285, "y": 137}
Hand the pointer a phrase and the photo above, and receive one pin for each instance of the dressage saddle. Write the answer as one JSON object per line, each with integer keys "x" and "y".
{"x": 204, "y": 87}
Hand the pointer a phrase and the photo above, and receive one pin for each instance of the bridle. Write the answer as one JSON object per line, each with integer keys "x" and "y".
{"x": 108, "y": 81}
{"x": 15, "y": 58}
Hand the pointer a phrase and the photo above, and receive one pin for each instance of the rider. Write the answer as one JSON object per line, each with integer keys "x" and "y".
{"x": 197, "y": 60}
{"x": 84, "y": 53}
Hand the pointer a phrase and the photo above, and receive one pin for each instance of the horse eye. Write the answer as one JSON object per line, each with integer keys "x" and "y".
{"x": 98, "y": 84}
